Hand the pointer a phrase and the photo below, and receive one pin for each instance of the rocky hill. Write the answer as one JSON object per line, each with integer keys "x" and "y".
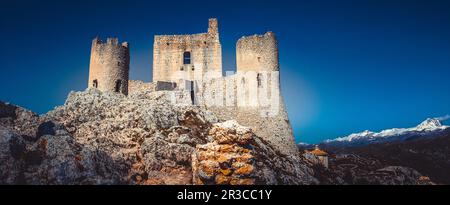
{"x": 425, "y": 148}
{"x": 109, "y": 138}
{"x": 354, "y": 169}
{"x": 429, "y": 156}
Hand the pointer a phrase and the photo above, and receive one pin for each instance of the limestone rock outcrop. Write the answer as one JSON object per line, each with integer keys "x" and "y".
{"x": 228, "y": 159}
{"x": 109, "y": 138}
{"x": 236, "y": 155}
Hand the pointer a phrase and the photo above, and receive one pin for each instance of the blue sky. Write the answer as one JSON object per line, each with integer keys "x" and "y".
{"x": 346, "y": 66}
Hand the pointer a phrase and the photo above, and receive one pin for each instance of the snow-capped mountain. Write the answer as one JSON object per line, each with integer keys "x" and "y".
{"x": 428, "y": 128}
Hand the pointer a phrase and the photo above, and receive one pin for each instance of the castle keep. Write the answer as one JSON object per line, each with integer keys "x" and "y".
{"x": 184, "y": 56}
{"x": 189, "y": 68}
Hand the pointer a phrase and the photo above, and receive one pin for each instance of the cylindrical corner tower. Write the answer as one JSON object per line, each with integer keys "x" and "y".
{"x": 109, "y": 66}
{"x": 257, "y": 53}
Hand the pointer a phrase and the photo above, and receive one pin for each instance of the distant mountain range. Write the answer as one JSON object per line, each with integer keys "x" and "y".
{"x": 431, "y": 127}
{"x": 361, "y": 158}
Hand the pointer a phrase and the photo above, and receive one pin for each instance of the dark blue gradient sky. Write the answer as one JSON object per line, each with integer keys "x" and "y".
{"x": 346, "y": 66}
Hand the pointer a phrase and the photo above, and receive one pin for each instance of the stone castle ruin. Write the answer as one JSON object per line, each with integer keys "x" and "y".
{"x": 189, "y": 68}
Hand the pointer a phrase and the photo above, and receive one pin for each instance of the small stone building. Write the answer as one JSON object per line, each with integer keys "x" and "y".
{"x": 317, "y": 156}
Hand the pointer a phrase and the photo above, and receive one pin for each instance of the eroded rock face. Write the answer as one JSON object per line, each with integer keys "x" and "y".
{"x": 22, "y": 121}
{"x": 237, "y": 156}
{"x": 47, "y": 159}
{"x": 142, "y": 138}
{"x": 109, "y": 138}
{"x": 228, "y": 159}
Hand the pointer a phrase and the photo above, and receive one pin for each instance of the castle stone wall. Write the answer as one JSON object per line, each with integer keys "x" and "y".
{"x": 135, "y": 86}
{"x": 161, "y": 85}
{"x": 243, "y": 89}
{"x": 109, "y": 65}
{"x": 205, "y": 55}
